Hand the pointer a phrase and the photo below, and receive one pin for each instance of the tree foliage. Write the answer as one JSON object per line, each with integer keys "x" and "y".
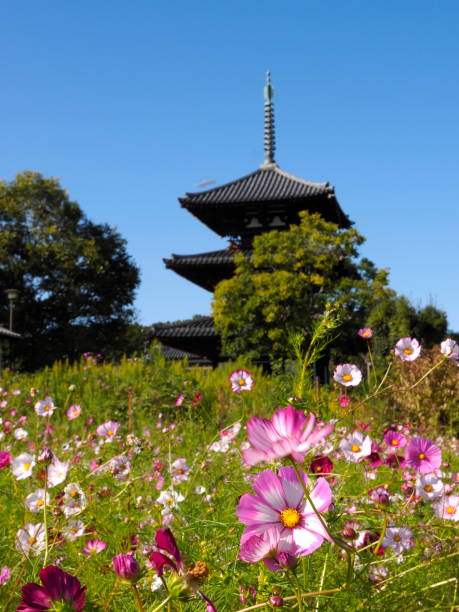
{"x": 76, "y": 281}
{"x": 290, "y": 278}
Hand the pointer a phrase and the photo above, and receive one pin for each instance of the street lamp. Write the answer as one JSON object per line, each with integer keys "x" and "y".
{"x": 12, "y": 295}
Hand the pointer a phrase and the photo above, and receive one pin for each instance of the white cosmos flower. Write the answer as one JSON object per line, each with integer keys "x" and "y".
{"x": 75, "y": 500}
{"x": 398, "y": 538}
{"x": 22, "y": 465}
{"x": 73, "y": 530}
{"x": 408, "y": 349}
{"x": 31, "y": 539}
{"x": 45, "y": 407}
{"x": 347, "y": 374}
{"x": 170, "y": 500}
{"x": 429, "y": 486}
{"x": 57, "y": 472}
{"x": 450, "y": 348}
{"x": 356, "y": 446}
{"x": 36, "y": 500}
{"x": 20, "y": 434}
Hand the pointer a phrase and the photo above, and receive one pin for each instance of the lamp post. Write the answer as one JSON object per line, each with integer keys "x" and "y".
{"x": 12, "y": 295}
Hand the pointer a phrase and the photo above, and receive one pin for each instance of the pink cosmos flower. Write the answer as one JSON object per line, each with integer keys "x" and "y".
{"x": 279, "y": 504}
{"x": 5, "y": 459}
{"x": 179, "y": 399}
{"x": 94, "y": 547}
{"x": 394, "y": 439}
{"x": 269, "y": 548}
{"x": 365, "y": 332}
{"x": 5, "y": 575}
{"x": 347, "y": 374}
{"x": 73, "y": 411}
{"x": 241, "y": 380}
{"x": 108, "y": 430}
{"x": 321, "y": 465}
{"x": 289, "y": 433}
{"x": 408, "y": 349}
{"x": 422, "y": 455}
{"x": 447, "y": 508}
{"x": 344, "y": 401}
{"x": 58, "y": 586}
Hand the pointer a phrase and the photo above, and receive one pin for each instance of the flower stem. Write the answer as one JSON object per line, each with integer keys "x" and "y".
{"x": 45, "y": 519}
{"x": 138, "y": 601}
{"x": 441, "y": 362}
{"x": 162, "y": 604}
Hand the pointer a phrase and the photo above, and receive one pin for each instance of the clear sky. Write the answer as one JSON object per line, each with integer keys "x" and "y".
{"x": 132, "y": 104}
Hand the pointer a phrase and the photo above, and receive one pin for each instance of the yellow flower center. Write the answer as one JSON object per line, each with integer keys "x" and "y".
{"x": 27, "y": 465}
{"x": 347, "y": 377}
{"x": 39, "y": 502}
{"x": 395, "y": 443}
{"x": 290, "y": 517}
{"x": 318, "y": 468}
{"x": 450, "y": 510}
{"x": 421, "y": 456}
{"x": 355, "y": 448}
{"x": 73, "y": 530}
{"x": 73, "y": 492}
{"x": 241, "y": 382}
{"x": 109, "y": 432}
{"x": 428, "y": 488}
{"x": 397, "y": 538}
{"x": 32, "y": 540}
{"x": 408, "y": 351}
{"x": 75, "y": 413}
{"x": 170, "y": 500}
{"x": 47, "y": 408}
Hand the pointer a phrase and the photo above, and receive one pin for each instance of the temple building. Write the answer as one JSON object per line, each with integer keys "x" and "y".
{"x": 264, "y": 200}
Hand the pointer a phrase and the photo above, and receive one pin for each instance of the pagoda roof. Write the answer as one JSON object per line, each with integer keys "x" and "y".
{"x": 205, "y": 269}
{"x": 197, "y": 336}
{"x": 266, "y": 183}
{"x": 6, "y": 333}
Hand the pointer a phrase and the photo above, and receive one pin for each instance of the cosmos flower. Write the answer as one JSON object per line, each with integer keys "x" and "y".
{"x": 180, "y": 470}
{"x": 36, "y": 500}
{"x": 45, "y": 407}
{"x": 365, "y": 332}
{"x": 94, "y": 547}
{"x": 269, "y": 548}
{"x": 74, "y": 500}
{"x": 347, "y": 374}
{"x": 31, "y": 539}
{"x": 127, "y": 568}
{"x": 450, "y": 348}
{"x": 429, "y": 486}
{"x": 107, "y": 431}
{"x": 321, "y": 465}
{"x": 5, "y": 459}
{"x": 447, "y": 508}
{"x": 422, "y": 455}
{"x": 289, "y": 433}
{"x": 58, "y": 586}
{"x": 394, "y": 439}
{"x": 398, "y": 538}
{"x": 408, "y": 349}
{"x": 73, "y": 530}
{"x": 279, "y": 504}
{"x": 356, "y": 446}
{"x": 5, "y": 575}
{"x": 170, "y": 500}
{"x": 241, "y": 380}
{"x": 73, "y": 412}
{"x": 57, "y": 472}
{"x": 22, "y": 466}
{"x": 179, "y": 399}
{"x": 20, "y": 434}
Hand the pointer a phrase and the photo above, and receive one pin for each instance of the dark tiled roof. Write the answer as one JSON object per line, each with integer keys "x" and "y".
{"x": 270, "y": 183}
{"x": 6, "y": 333}
{"x": 173, "y": 353}
{"x": 203, "y": 327}
{"x": 224, "y": 256}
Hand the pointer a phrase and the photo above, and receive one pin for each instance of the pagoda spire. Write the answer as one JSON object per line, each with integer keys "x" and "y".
{"x": 269, "y": 132}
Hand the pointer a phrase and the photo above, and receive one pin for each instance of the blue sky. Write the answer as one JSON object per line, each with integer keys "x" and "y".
{"x": 133, "y": 104}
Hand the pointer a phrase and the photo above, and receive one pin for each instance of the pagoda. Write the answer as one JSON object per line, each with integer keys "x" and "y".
{"x": 265, "y": 200}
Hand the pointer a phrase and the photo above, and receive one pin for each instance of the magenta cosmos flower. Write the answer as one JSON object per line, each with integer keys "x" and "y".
{"x": 365, "y": 332}
{"x": 347, "y": 374}
{"x": 241, "y": 380}
{"x": 422, "y": 455}
{"x": 408, "y": 349}
{"x": 279, "y": 504}
{"x": 394, "y": 439}
{"x": 58, "y": 586}
{"x": 126, "y": 567}
{"x": 289, "y": 433}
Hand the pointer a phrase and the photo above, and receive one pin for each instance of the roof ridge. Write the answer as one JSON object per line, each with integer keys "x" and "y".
{"x": 293, "y": 177}
{"x": 238, "y": 180}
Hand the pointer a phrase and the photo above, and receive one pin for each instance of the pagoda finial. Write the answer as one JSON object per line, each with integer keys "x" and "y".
{"x": 269, "y": 133}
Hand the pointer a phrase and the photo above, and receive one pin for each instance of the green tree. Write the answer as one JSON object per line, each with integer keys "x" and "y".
{"x": 76, "y": 281}
{"x": 287, "y": 282}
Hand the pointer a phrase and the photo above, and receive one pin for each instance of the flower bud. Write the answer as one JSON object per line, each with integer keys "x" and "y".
{"x": 45, "y": 455}
{"x": 126, "y": 567}
{"x": 276, "y": 601}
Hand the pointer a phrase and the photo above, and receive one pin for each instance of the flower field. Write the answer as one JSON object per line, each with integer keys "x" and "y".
{"x": 148, "y": 485}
